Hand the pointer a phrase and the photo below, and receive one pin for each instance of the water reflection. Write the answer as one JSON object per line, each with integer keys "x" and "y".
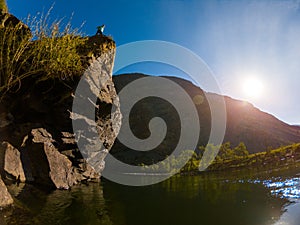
{"x": 82, "y": 205}
{"x": 291, "y": 215}
{"x": 194, "y": 200}
{"x": 287, "y": 188}
{"x": 211, "y": 199}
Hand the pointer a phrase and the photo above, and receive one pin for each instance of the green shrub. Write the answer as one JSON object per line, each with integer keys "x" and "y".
{"x": 55, "y": 50}
{"x": 3, "y": 6}
{"x": 47, "y": 52}
{"x": 12, "y": 55}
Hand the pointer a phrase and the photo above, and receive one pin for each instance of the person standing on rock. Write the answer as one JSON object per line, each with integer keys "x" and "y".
{"x": 100, "y": 30}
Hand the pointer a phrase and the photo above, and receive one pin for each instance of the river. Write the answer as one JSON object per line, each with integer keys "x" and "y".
{"x": 211, "y": 199}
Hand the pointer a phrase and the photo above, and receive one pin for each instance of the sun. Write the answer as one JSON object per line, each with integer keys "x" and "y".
{"x": 252, "y": 87}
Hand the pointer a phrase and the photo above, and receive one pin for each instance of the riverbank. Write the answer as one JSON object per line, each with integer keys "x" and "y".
{"x": 283, "y": 158}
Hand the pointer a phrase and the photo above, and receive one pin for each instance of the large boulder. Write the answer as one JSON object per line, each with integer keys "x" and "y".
{"x": 46, "y": 164}
{"x": 5, "y": 197}
{"x": 60, "y": 166}
{"x": 11, "y": 164}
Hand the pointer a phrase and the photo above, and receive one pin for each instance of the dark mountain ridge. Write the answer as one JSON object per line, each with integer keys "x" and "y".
{"x": 245, "y": 123}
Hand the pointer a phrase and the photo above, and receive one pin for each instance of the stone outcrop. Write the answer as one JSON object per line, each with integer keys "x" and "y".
{"x": 39, "y": 161}
{"x": 106, "y": 125}
{"x": 11, "y": 164}
{"x": 46, "y": 144}
{"x": 5, "y": 197}
{"x": 46, "y": 162}
{"x": 40, "y": 128}
{"x": 63, "y": 169}
{"x": 37, "y": 141}
{"x": 37, "y": 121}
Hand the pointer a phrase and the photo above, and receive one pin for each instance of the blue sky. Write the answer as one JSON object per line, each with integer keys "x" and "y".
{"x": 237, "y": 39}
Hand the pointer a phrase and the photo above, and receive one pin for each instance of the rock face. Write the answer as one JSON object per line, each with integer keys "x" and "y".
{"x": 37, "y": 140}
{"x": 106, "y": 125}
{"x": 11, "y": 164}
{"x": 40, "y": 127}
{"x": 5, "y": 197}
{"x": 45, "y": 164}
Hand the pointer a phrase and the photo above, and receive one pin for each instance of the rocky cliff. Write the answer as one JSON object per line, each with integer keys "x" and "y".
{"x": 37, "y": 141}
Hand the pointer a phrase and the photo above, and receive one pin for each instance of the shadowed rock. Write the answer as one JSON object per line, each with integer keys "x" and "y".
{"x": 46, "y": 165}
{"x": 5, "y": 197}
{"x": 11, "y": 164}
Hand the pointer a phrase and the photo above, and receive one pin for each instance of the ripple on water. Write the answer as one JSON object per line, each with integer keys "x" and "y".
{"x": 285, "y": 188}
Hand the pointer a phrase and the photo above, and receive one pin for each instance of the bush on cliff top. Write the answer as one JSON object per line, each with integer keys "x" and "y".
{"x": 3, "y": 6}
{"x": 48, "y": 52}
{"x": 55, "y": 51}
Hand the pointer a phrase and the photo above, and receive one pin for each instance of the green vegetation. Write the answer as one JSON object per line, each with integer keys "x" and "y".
{"x": 173, "y": 163}
{"x": 230, "y": 157}
{"x": 48, "y": 52}
{"x": 283, "y": 156}
{"x": 12, "y": 58}
{"x": 3, "y": 6}
{"x": 56, "y": 52}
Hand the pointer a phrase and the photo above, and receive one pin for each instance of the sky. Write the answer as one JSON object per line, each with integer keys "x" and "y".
{"x": 238, "y": 40}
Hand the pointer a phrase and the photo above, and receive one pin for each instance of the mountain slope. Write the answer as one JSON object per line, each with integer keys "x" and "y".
{"x": 245, "y": 123}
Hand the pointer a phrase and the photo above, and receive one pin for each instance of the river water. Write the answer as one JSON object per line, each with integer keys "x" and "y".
{"x": 210, "y": 199}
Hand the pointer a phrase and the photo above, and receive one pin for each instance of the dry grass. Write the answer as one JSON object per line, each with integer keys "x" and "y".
{"x": 49, "y": 51}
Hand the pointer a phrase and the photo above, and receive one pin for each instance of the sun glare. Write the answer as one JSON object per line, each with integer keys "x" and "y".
{"x": 252, "y": 87}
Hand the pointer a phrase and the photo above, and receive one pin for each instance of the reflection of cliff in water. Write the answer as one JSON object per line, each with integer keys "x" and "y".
{"x": 194, "y": 200}
{"x": 81, "y": 205}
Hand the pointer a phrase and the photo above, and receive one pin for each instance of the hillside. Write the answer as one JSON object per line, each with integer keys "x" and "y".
{"x": 245, "y": 123}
